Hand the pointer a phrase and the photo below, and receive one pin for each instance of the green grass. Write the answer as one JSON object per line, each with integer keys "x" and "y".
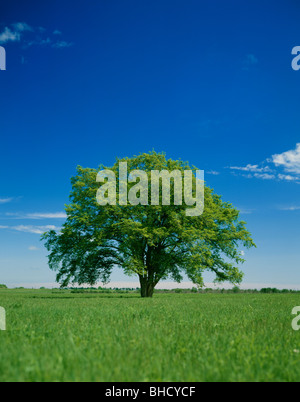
{"x": 62, "y": 336}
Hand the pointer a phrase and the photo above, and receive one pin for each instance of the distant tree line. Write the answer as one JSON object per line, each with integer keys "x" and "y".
{"x": 100, "y": 289}
{"x": 180, "y": 290}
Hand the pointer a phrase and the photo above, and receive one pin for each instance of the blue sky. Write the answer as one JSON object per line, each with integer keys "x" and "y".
{"x": 209, "y": 82}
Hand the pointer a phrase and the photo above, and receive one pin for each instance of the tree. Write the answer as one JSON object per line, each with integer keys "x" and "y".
{"x": 154, "y": 242}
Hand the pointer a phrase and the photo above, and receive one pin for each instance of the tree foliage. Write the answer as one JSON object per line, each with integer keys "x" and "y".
{"x": 152, "y": 242}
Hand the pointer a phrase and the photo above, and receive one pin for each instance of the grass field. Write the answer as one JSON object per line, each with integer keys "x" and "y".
{"x": 62, "y": 336}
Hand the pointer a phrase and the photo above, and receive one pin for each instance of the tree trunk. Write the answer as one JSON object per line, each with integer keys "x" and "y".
{"x": 147, "y": 287}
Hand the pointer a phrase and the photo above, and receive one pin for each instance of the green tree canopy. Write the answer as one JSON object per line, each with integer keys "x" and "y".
{"x": 152, "y": 242}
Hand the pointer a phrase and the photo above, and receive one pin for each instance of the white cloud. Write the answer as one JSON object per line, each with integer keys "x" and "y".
{"x": 289, "y": 160}
{"x": 252, "y": 168}
{"x": 31, "y": 228}
{"x": 62, "y": 44}
{"x": 291, "y": 208}
{"x": 47, "y": 215}
{"x": 13, "y": 34}
{"x": 245, "y": 211}
{"x": 5, "y": 200}
{"x": 18, "y": 32}
{"x": 21, "y": 27}
{"x": 213, "y": 172}
{"x": 38, "y": 215}
{"x": 39, "y": 42}
{"x": 33, "y": 248}
{"x": 34, "y": 229}
{"x": 264, "y": 176}
{"x": 287, "y": 177}
{"x": 9, "y": 36}
{"x": 268, "y": 176}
